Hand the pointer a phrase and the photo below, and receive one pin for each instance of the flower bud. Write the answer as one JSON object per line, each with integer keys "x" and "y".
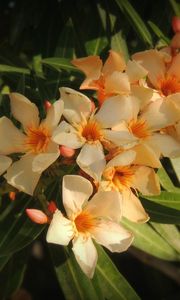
{"x": 175, "y": 24}
{"x": 47, "y": 105}
{"x": 52, "y": 207}
{"x": 66, "y": 151}
{"x": 12, "y": 196}
{"x": 37, "y": 216}
{"x": 93, "y": 106}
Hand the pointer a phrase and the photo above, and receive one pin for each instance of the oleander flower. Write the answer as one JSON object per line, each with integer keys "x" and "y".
{"x": 5, "y": 163}
{"x": 96, "y": 219}
{"x": 112, "y": 78}
{"x": 124, "y": 175}
{"x": 34, "y": 141}
{"x": 145, "y": 124}
{"x": 86, "y": 132}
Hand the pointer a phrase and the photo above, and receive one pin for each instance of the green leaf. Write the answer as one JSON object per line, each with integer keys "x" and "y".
{"x": 170, "y": 233}
{"x": 166, "y": 182}
{"x": 176, "y": 166}
{"x": 3, "y": 261}
{"x": 16, "y": 230}
{"x": 148, "y": 240}
{"x": 167, "y": 199}
{"x": 176, "y": 7}
{"x": 13, "y": 273}
{"x": 135, "y": 20}
{"x": 75, "y": 285}
{"x": 11, "y": 69}
{"x": 59, "y": 63}
{"x": 158, "y": 32}
{"x": 113, "y": 284}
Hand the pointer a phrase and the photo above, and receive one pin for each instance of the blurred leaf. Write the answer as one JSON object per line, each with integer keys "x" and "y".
{"x": 148, "y": 240}
{"x": 118, "y": 43}
{"x": 12, "y": 275}
{"x": 166, "y": 182}
{"x": 168, "y": 199}
{"x": 3, "y": 261}
{"x": 73, "y": 282}
{"x": 11, "y": 69}
{"x": 170, "y": 233}
{"x": 158, "y": 32}
{"x": 136, "y": 21}
{"x": 176, "y": 7}
{"x": 176, "y": 166}
{"x": 95, "y": 46}
{"x": 37, "y": 66}
{"x": 16, "y": 230}
{"x": 59, "y": 63}
{"x": 113, "y": 284}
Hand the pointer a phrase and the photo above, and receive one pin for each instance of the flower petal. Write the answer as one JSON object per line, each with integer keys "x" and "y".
{"x": 174, "y": 67}
{"x": 5, "y": 163}
{"x": 166, "y": 144}
{"x": 54, "y": 114}
{"x": 76, "y": 105}
{"x": 117, "y": 109}
{"x": 106, "y": 204}
{"x": 132, "y": 208}
{"x": 66, "y": 135}
{"x": 21, "y": 176}
{"x": 76, "y": 191}
{"x": 144, "y": 94}
{"x": 86, "y": 255}
{"x": 123, "y": 159}
{"x": 91, "y": 160}
{"x": 135, "y": 71}
{"x": 114, "y": 62}
{"x": 112, "y": 236}
{"x": 120, "y": 138}
{"x": 60, "y": 230}
{"x": 146, "y": 181}
{"x": 43, "y": 160}
{"x": 11, "y": 139}
{"x": 24, "y": 110}
{"x": 117, "y": 83}
{"x": 146, "y": 155}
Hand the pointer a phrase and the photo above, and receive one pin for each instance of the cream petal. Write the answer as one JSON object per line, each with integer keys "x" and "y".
{"x": 135, "y": 71}
{"x": 90, "y": 65}
{"x": 11, "y": 139}
{"x": 66, "y": 135}
{"x": 54, "y": 114}
{"x": 153, "y": 62}
{"x": 146, "y": 155}
{"x": 76, "y": 105}
{"x": 112, "y": 236}
{"x": 123, "y": 159}
{"x": 167, "y": 145}
{"x": 24, "y": 110}
{"x": 5, "y": 163}
{"x": 174, "y": 103}
{"x": 43, "y": 160}
{"x": 114, "y": 62}
{"x": 21, "y": 176}
{"x": 159, "y": 114}
{"x": 120, "y": 138}
{"x": 144, "y": 94}
{"x": 146, "y": 181}
{"x": 86, "y": 254}
{"x": 76, "y": 192}
{"x": 117, "y": 83}
{"x": 106, "y": 204}
{"x": 132, "y": 208}
{"x": 60, "y": 230}
{"x": 91, "y": 160}
{"x": 117, "y": 109}
{"x": 174, "y": 68}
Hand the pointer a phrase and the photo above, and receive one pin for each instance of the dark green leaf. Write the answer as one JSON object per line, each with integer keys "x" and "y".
{"x": 11, "y": 69}
{"x": 158, "y": 32}
{"x": 59, "y": 63}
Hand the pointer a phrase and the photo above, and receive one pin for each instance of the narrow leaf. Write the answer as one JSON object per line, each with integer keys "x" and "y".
{"x": 158, "y": 32}
{"x": 167, "y": 199}
{"x": 11, "y": 69}
{"x": 166, "y": 182}
{"x": 59, "y": 63}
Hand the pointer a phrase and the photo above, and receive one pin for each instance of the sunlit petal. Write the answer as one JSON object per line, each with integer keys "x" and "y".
{"x": 5, "y": 162}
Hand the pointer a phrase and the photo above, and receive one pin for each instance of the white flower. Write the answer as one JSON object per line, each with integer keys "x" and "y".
{"x": 35, "y": 142}
{"x": 97, "y": 219}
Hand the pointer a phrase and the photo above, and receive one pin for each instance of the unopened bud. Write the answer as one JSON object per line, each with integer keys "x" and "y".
{"x": 12, "y": 196}
{"x": 47, "y": 105}
{"x": 175, "y": 24}
{"x": 37, "y": 216}
{"x": 52, "y": 207}
{"x": 66, "y": 151}
{"x": 93, "y": 106}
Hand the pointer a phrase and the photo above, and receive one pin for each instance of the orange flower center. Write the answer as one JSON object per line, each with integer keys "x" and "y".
{"x": 92, "y": 131}
{"x": 84, "y": 222}
{"x": 169, "y": 85}
{"x": 37, "y": 139}
{"x": 139, "y": 128}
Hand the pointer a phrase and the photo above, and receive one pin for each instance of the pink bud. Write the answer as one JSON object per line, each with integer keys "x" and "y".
{"x": 175, "y": 24}
{"x": 37, "y": 216}
{"x": 12, "y": 196}
{"x": 47, "y": 105}
{"x": 93, "y": 107}
{"x": 52, "y": 207}
{"x": 66, "y": 151}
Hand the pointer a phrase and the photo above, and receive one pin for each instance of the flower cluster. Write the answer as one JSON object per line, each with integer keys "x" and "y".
{"x": 115, "y": 140}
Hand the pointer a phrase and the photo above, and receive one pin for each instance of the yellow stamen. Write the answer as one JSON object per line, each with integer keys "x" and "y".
{"x": 84, "y": 222}
{"x": 139, "y": 128}
{"x": 37, "y": 139}
{"x": 92, "y": 131}
{"x": 169, "y": 85}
